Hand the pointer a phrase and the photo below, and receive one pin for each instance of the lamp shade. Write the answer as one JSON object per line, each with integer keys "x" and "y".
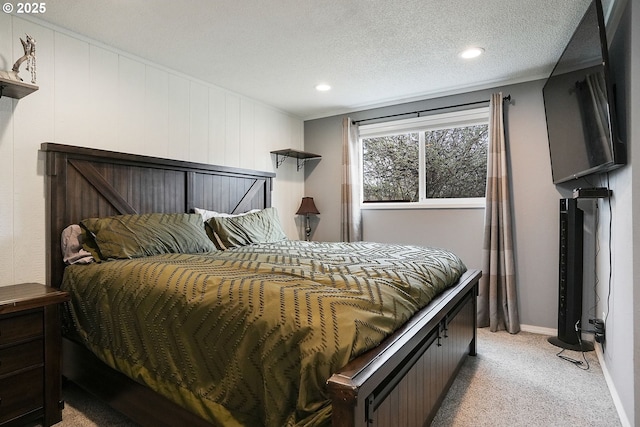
{"x": 307, "y": 207}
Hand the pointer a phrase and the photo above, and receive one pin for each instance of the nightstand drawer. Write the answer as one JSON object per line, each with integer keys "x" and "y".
{"x": 30, "y": 355}
{"x": 20, "y": 394}
{"x": 17, "y": 328}
{"x": 21, "y": 356}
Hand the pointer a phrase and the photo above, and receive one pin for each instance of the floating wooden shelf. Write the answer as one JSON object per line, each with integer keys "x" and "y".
{"x": 301, "y": 156}
{"x": 14, "y": 89}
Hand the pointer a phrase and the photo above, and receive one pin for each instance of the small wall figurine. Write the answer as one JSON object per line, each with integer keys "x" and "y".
{"x": 29, "y": 47}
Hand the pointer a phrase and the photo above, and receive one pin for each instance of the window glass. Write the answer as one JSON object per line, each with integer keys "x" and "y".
{"x": 424, "y": 160}
{"x": 456, "y": 162}
{"x": 391, "y": 167}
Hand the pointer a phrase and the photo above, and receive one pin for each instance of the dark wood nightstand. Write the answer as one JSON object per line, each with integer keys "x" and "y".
{"x": 30, "y": 344}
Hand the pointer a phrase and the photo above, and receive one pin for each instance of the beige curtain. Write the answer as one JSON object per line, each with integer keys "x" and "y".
{"x": 351, "y": 216}
{"x": 497, "y": 301}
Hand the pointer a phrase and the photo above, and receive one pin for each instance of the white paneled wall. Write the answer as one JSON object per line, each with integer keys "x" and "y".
{"x": 94, "y": 96}
{"x": 103, "y": 113}
{"x": 178, "y": 119}
{"x": 6, "y": 162}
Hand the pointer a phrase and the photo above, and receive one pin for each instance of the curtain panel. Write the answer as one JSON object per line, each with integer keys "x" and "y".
{"x": 497, "y": 300}
{"x": 351, "y": 222}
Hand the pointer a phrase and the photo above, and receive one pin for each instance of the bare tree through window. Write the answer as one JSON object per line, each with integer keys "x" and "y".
{"x": 455, "y": 164}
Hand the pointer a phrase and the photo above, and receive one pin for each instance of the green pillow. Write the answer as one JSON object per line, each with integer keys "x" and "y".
{"x": 258, "y": 227}
{"x": 133, "y": 236}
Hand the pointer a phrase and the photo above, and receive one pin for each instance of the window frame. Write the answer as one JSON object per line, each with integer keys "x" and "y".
{"x": 461, "y": 118}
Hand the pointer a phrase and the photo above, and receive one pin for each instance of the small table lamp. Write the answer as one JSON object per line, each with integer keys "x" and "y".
{"x": 307, "y": 207}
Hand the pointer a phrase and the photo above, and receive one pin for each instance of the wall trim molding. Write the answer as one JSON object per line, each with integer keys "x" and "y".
{"x": 624, "y": 419}
{"x": 539, "y": 330}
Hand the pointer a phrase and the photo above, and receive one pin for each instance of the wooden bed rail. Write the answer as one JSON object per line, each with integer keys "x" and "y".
{"x": 363, "y": 385}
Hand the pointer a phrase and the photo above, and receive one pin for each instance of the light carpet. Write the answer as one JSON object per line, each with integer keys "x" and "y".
{"x": 515, "y": 380}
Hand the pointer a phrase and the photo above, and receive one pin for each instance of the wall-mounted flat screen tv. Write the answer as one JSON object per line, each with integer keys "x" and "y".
{"x": 579, "y": 105}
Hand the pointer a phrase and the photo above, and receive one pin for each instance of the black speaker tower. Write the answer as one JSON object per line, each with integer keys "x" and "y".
{"x": 570, "y": 278}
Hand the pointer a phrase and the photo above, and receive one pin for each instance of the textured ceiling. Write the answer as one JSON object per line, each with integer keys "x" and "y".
{"x": 372, "y": 52}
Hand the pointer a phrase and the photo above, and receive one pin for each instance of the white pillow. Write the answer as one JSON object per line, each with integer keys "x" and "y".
{"x": 207, "y": 215}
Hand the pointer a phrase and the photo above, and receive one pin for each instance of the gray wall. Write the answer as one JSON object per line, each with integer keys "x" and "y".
{"x": 535, "y": 199}
{"x": 634, "y": 141}
{"x": 411, "y": 226}
{"x": 621, "y": 351}
{"x": 634, "y": 130}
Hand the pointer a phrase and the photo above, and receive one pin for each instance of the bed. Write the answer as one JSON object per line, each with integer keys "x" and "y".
{"x": 398, "y": 379}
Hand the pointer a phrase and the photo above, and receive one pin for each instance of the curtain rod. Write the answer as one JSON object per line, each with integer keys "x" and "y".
{"x": 506, "y": 98}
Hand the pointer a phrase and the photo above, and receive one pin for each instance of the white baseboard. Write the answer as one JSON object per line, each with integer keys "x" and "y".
{"x": 624, "y": 419}
{"x": 539, "y": 330}
{"x": 550, "y": 332}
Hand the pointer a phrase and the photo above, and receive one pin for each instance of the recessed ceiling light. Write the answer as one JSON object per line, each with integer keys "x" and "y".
{"x": 323, "y": 87}
{"x": 472, "y": 52}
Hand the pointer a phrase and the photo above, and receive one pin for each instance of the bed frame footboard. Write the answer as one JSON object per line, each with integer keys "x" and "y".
{"x": 403, "y": 381}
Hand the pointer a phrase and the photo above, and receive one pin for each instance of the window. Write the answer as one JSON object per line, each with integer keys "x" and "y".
{"x": 438, "y": 160}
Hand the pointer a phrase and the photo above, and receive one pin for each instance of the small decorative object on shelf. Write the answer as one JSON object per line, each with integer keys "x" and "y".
{"x": 307, "y": 207}
{"x": 11, "y": 84}
{"x": 301, "y": 156}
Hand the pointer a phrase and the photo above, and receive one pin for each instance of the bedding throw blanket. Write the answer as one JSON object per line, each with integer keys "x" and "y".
{"x": 249, "y": 336}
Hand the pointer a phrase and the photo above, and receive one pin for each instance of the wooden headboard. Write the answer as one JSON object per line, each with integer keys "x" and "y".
{"x": 85, "y": 183}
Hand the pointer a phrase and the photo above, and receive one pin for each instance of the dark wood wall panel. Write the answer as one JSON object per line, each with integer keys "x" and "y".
{"x": 145, "y": 190}
{"x": 85, "y": 183}
{"x": 419, "y": 394}
{"x": 226, "y": 193}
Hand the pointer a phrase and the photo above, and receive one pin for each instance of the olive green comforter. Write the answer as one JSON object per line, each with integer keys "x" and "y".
{"x": 249, "y": 336}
